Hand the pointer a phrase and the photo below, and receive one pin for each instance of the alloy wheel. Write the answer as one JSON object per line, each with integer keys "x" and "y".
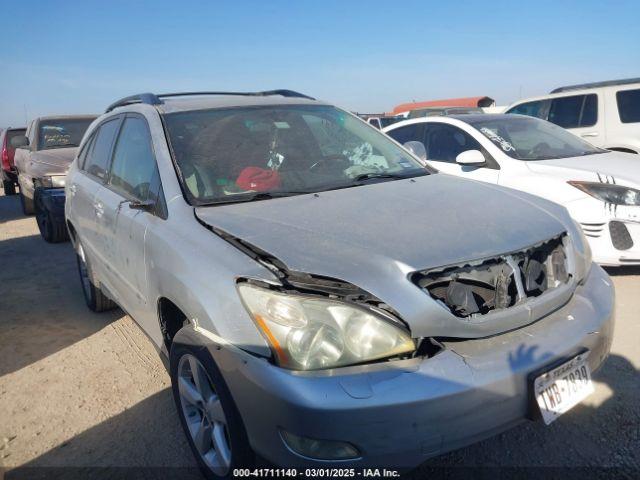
{"x": 204, "y": 415}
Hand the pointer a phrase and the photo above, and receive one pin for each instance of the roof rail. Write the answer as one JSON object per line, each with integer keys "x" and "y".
{"x": 147, "y": 98}
{"x": 153, "y": 99}
{"x": 608, "y": 83}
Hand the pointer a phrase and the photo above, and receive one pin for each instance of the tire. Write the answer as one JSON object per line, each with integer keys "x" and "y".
{"x": 27, "y": 205}
{"x": 93, "y": 296}
{"x": 52, "y": 229}
{"x": 220, "y": 419}
{"x": 9, "y": 187}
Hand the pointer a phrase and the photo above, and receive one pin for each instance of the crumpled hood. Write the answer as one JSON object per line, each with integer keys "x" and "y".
{"x": 373, "y": 236}
{"x": 611, "y": 167}
{"x": 55, "y": 160}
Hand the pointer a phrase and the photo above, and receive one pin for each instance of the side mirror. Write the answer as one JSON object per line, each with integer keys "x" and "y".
{"x": 417, "y": 148}
{"x": 19, "y": 141}
{"x": 146, "y": 206}
{"x": 471, "y": 158}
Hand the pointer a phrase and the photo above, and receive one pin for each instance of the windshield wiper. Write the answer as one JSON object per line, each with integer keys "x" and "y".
{"x": 372, "y": 176}
{"x": 258, "y": 196}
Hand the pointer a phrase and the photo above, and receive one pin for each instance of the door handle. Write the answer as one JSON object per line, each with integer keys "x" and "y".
{"x": 72, "y": 189}
{"x": 589, "y": 134}
{"x": 98, "y": 208}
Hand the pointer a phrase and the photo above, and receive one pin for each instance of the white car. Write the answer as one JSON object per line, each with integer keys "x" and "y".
{"x": 601, "y": 189}
{"x": 607, "y": 114}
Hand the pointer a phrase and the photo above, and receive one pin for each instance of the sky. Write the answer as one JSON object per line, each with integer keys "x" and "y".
{"x": 78, "y": 56}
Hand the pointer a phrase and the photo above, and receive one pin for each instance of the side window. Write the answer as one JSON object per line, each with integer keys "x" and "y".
{"x": 575, "y": 111}
{"x": 445, "y": 142}
{"x": 531, "y": 109}
{"x": 406, "y": 134}
{"x": 629, "y": 105}
{"x": 134, "y": 168}
{"x": 97, "y": 161}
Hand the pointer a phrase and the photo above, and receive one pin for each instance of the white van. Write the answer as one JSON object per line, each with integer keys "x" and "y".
{"x": 607, "y": 114}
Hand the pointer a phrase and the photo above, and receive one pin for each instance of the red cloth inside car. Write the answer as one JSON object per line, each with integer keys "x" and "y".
{"x": 258, "y": 179}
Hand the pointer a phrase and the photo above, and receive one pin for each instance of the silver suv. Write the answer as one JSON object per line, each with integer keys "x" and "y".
{"x": 324, "y": 298}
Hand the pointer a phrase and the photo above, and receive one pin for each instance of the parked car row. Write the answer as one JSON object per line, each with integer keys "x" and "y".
{"x": 325, "y": 296}
{"x": 599, "y": 188}
{"x": 607, "y": 114}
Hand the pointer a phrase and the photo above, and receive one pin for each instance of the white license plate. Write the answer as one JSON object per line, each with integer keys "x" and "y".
{"x": 562, "y": 388}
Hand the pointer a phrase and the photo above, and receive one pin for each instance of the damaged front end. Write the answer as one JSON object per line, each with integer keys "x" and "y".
{"x": 478, "y": 288}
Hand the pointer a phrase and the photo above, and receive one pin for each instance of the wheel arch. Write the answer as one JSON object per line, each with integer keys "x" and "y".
{"x": 171, "y": 319}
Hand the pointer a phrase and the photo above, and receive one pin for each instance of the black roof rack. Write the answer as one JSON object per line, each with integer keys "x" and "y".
{"x": 153, "y": 99}
{"x": 608, "y": 83}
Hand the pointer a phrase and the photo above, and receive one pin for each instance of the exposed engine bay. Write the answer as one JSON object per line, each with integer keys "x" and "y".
{"x": 497, "y": 283}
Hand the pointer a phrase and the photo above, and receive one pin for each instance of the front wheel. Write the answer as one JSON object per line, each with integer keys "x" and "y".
{"x": 208, "y": 414}
{"x": 9, "y": 187}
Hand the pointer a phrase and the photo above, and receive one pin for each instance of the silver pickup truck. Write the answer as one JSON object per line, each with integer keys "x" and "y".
{"x": 42, "y": 159}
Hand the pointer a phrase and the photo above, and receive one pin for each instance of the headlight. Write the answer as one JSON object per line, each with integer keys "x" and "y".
{"x": 54, "y": 181}
{"x": 607, "y": 192}
{"x": 584, "y": 260}
{"x": 310, "y": 333}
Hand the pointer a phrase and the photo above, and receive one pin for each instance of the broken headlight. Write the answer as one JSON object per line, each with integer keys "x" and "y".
{"x": 309, "y": 333}
{"x": 609, "y": 193}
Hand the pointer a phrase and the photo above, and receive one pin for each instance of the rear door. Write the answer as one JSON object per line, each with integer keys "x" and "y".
{"x": 581, "y": 114}
{"x": 133, "y": 179}
{"x": 87, "y": 210}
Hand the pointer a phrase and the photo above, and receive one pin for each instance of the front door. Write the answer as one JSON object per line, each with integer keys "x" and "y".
{"x": 133, "y": 180}
{"x": 444, "y": 142}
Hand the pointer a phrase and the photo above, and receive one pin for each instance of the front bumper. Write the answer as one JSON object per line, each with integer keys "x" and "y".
{"x": 400, "y": 413}
{"x": 52, "y": 199}
{"x": 613, "y": 231}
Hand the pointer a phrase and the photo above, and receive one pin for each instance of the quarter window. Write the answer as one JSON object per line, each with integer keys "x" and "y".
{"x": 85, "y": 150}
{"x": 575, "y": 111}
{"x": 97, "y": 162}
{"x": 134, "y": 165}
{"x": 629, "y": 105}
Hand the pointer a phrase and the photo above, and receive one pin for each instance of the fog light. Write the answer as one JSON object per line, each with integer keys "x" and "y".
{"x": 319, "y": 449}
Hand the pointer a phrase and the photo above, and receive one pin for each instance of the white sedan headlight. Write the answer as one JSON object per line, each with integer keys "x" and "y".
{"x": 310, "y": 333}
{"x": 609, "y": 193}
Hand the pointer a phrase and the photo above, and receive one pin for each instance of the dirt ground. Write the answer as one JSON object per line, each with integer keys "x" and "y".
{"x": 80, "y": 390}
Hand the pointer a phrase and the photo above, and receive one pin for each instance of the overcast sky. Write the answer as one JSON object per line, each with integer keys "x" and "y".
{"x": 79, "y": 56}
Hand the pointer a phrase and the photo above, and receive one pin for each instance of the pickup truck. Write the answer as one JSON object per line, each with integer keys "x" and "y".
{"x": 42, "y": 158}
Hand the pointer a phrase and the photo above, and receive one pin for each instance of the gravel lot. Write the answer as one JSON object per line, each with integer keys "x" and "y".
{"x": 82, "y": 390}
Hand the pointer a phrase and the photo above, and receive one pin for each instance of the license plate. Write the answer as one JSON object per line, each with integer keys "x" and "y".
{"x": 562, "y": 388}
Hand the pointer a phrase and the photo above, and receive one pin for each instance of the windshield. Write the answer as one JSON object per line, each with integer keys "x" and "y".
{"x": 62, "y": 133}
{"x": 237, "y": 154}
{"x": 528, "y": 138}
